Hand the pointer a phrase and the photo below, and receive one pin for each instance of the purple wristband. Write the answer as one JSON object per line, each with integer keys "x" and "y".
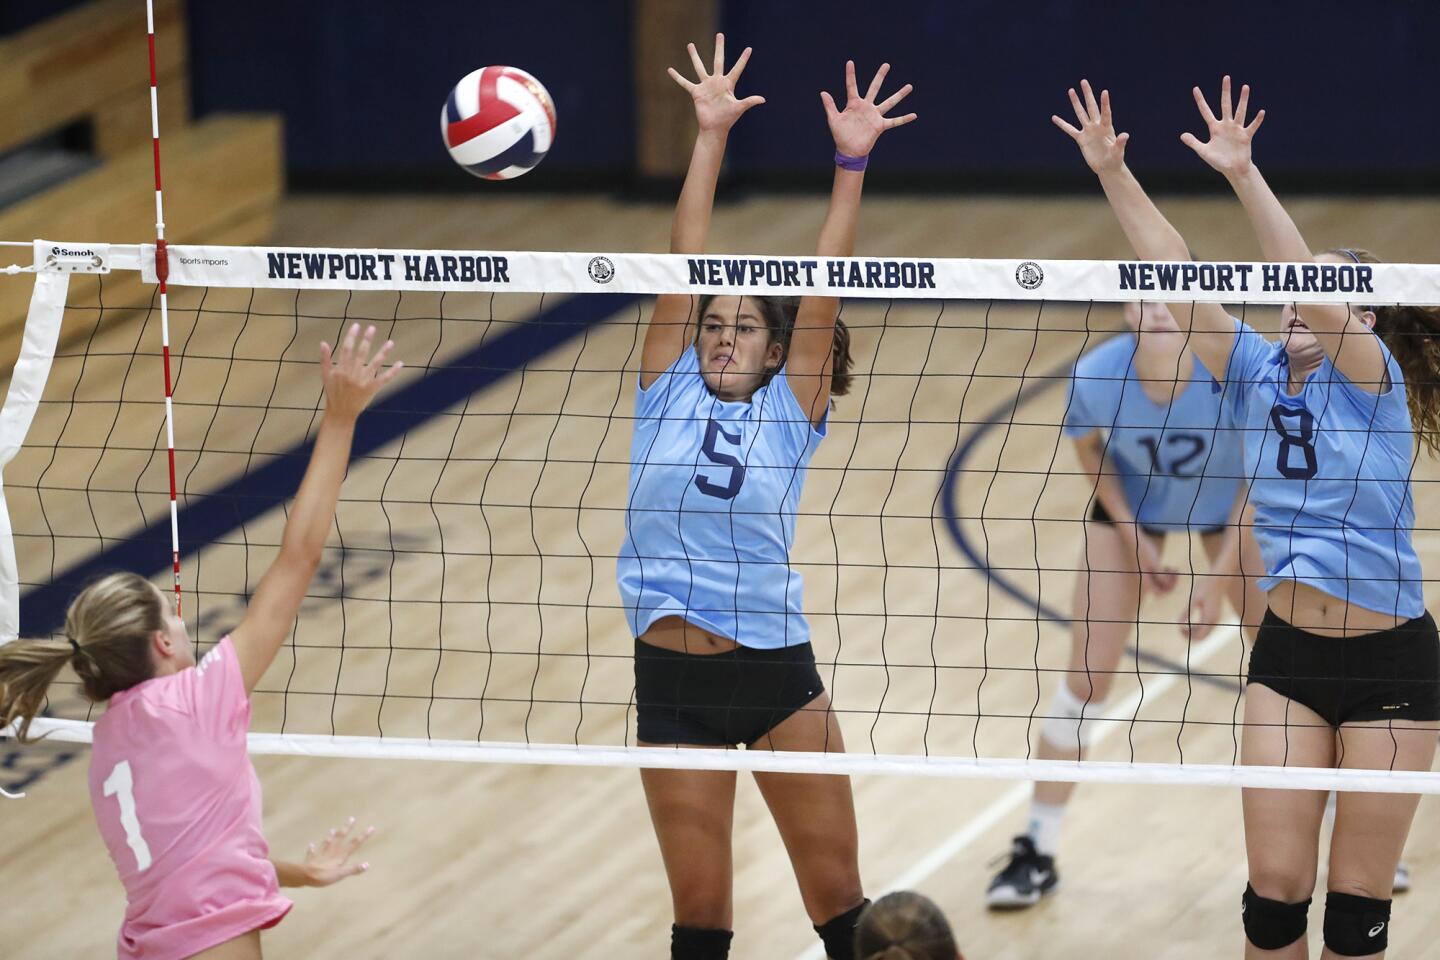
{"x": 846, "y": 162}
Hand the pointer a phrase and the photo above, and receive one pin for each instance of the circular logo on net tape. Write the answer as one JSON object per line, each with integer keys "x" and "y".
{"x": 601, "y": 270}
{"x": 1029, "y": 275}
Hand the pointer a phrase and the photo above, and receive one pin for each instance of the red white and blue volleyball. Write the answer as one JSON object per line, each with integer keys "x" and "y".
{"x": 498, "y": 122}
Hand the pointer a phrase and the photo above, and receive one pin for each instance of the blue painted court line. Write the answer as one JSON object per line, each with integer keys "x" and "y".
{"x": 219, "y": 512}
{"x": 950, "y": 499}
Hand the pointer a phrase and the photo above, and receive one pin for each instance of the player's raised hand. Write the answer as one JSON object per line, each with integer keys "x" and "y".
{"x": 1228, "y": 149}
{"x": 716, "y": 108}
{"x": 352, "y": 376}
{"x": 859, "y": 125}
{"x": 1102, "y": 148}
{"x": 328, "y": 861}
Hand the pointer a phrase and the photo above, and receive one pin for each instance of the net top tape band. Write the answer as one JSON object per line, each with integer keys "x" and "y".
{"x": 328, "y": 268}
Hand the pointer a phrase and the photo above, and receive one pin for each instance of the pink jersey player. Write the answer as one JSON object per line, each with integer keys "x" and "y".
{"x": 178, "y": 804}
{"x": 171, "y": 783}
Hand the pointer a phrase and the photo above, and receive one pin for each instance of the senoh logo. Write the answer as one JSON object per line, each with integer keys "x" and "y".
{"x": 71, "y": 252}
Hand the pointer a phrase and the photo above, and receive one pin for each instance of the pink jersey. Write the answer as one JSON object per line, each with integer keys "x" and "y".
{"x": 178, "y": 805}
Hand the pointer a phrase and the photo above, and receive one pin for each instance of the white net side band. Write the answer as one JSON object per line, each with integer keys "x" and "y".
{"x": 323, "y": 268}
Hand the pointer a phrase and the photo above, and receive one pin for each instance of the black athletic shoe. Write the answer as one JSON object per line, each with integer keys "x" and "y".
{"x": 1026, "y": 878}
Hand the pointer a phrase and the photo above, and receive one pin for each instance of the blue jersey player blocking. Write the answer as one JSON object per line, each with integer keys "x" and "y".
{"x": 1345, "y": 670}
{"x": 731, "y": 403}
{"x": 1150, "y": 432}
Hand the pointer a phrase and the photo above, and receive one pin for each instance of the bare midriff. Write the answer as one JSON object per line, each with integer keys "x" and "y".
{"x": 1315, "y": 611}
{"x": 682, "y": 636}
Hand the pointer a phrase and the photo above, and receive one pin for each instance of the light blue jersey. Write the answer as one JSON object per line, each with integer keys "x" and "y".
{"x": 1331, "y": 477}
{"x": 1180, "y": 467}
{"x": 714, "y": 490}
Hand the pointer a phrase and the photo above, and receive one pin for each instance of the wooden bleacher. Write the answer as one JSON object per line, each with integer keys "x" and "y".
{"x": 222, "y": 174}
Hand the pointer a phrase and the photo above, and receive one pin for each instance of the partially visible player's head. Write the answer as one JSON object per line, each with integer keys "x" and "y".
{"x": 1411, "y": 333}
{"x": 743, "y": 341}
{"x": 904, "y": 926}
{"x": 1150, "y": 318}
{"x": 120, "y": 631}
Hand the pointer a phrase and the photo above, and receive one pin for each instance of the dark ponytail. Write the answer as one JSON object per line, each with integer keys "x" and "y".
{"x": 1412, "y": 335}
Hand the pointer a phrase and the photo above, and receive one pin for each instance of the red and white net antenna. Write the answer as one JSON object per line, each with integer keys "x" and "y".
{"x": 162, "y": 273}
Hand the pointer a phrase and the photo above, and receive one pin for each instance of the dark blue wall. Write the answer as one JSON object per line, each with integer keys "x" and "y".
{"x": 361, "y": 82}
{"x": 1349, "y": 87}
{"x": 1352, "y": 87}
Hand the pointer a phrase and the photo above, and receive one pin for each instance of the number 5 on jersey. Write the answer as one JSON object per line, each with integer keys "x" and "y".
{"x": 121, "y": 784}
{"x": 727, "y": 490}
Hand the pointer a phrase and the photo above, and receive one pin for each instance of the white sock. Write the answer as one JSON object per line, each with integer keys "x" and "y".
{"x": 1044, "y": 827}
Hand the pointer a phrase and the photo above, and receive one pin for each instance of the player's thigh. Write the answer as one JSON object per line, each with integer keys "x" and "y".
{"x": 1105, "y": 609}
{"x": 1282, "y": 827}
{"x": 815, "y": 813}
{"x": 693, "y": 813}
{"x": 1370, "y": 828}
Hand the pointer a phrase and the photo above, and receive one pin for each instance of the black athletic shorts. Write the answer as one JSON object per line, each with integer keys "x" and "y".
{"x": 1392, "y": 674}
{"x": 720, "y": 699}
{"x": 1099, "y": 514}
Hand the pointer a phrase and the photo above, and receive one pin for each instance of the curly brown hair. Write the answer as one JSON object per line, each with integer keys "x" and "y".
{"x": 1412, "y": 334}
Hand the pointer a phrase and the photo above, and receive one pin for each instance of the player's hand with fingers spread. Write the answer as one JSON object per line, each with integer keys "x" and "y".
{"x": 352, "y": 376}
{"x": 859, "y": 125}
{"x": 716, "y": 108}
{"x": 1102, "y": 148}
{"x": 1228, "y": 149}
{"x": 329, "y": 860}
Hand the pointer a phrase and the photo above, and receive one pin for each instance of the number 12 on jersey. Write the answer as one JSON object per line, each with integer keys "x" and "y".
{"x": 121, "y": 784}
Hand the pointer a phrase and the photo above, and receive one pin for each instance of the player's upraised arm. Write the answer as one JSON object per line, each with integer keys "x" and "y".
{"x": 352, "y": 378}
{"x": 1340, "y": 332}
{"x": 1151, "y": 236}
{"x": 716, "y": 110}
{"x": 855, "y": 130}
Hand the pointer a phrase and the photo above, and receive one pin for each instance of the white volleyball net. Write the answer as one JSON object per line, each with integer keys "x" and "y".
{"x": 467, "y": 607}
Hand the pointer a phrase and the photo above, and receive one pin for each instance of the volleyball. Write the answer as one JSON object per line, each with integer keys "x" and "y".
{"x": 498, "y": 122}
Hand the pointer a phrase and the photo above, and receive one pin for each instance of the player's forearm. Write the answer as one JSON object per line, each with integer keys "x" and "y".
{"x": 690, "y": 229}
{"x": 314, "y": 508}
{"x": 1151, "y": 236}
{"x": 1280, "y": 239}
{"x": 837, "y": 233}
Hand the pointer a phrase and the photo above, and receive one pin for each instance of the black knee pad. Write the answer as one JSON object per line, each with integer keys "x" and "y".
{"x": 699, "y": 943}
{"x": 838, "y": 933}
{"x": 1356, "y": 926}
{"x": 1271, "y": 924}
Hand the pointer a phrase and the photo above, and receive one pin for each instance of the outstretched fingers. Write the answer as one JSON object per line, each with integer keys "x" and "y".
{"x": 1080, "y": 112}
{"x": 1205, "y": 112}
{"x": 719, "y": 67}
{"x": 1225, "y": 106}
{"x": 675, "y": 75}
{"x": 852, "y": 92}
{"x": 829, "y": 103}
{"x": 886, "y": 105}
{"x": 1092, "y": 109}
{"x": 1255, "y": 124}
{"x": 695, "y": 59}
{"x": 879, "y": 79}
{"x": 739, "y": 67}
